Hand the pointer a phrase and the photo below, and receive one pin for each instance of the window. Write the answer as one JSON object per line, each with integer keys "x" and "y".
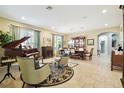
{"x": 57, "y": 42}
{"x": 19, "y": 32}
{"x": 33, "y": 40}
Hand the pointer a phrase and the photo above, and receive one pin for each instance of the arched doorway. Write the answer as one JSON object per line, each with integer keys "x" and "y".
{"x": 106, "y": 42}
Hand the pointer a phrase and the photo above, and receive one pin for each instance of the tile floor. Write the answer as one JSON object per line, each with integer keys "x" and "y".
{"x": 87, "y": 74}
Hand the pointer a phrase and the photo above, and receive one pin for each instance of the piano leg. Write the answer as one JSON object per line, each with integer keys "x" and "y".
{"x": 8, "y": 73}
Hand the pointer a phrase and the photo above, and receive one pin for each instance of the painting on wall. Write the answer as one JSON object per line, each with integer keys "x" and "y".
{"x": 90, "y": 42}
{"x": 46, "y": 41}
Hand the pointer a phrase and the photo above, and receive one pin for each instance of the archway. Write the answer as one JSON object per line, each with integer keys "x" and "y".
{"x": 106, "y": 41}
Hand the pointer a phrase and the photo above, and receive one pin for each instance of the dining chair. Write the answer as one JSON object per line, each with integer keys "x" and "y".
{"x": 89, "y": 54}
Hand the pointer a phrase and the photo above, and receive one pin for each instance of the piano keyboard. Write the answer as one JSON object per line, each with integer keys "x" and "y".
{"x": 31, "y": 54}
{"x": 8, "y": 59}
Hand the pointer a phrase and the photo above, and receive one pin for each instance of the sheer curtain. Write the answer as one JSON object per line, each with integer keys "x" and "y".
{"x": 19, "y": 32}
{"x": 58, "y": 42}
{"x": 15, "y": 32}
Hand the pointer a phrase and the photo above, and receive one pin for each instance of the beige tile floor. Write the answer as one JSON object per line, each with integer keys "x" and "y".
{"x": 87, "y": 74}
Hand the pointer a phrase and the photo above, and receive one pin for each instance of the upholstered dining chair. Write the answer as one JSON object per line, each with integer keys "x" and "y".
{"x": 29, "y": 74}
{"x": 72, "y": 51}
{"x": 89, "y": 54}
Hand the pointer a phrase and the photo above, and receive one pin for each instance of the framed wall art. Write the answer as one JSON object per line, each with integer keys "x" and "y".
{"x": 90, "y": 41}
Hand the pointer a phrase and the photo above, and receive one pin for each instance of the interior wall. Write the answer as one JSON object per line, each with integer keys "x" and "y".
{"x": 65, "y": 40}
{"x": 121, "y": 35}
{"x": 107, "y": 37}
{"x": 5, "y": 24}
{"x": 94, "y": 35}
{"x": 45, "y": 34}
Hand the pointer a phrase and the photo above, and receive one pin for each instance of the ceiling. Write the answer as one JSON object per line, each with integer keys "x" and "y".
{"x": 64, "y": 18}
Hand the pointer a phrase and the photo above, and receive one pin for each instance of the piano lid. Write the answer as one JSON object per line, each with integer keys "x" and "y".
{"x": 15, "y": 43}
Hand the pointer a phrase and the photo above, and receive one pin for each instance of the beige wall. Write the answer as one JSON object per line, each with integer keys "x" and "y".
{"x": 65, "y": 40}
{"x": 121, "y": 34}
{"x": 5, "y": 24}
{"x": 93, "y": 35}
{"x": 45, "y": 34}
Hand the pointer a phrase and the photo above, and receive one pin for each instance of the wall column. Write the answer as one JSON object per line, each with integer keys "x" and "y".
{"x": 122, "y": 79}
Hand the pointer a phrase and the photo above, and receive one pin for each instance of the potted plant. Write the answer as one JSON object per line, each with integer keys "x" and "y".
{"x": 4, "y": 38}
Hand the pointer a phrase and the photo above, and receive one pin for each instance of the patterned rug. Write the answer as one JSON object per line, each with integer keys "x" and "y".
{"x": 72, "y": 65}
{"x": 50, "y": 81}
{"x": 59, "y": 79}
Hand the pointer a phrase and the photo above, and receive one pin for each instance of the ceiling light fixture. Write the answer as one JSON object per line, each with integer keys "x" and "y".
{"x": 84, "y": 17}
{"x": 81, "y": 27}
{"x": 104, "y": 11}
{"x": 53, "y": 27}
{"x": 23, "y": 18}
{"x": 71, "y": 29}
{"x": 106, "y": 24}
{"x": 49, "y": 7}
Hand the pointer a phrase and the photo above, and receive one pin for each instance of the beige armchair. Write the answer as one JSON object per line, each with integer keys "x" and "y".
{"x": 29, "y": 74}
{"x": 64, "y": 61}
{"x": 63, "y": 64}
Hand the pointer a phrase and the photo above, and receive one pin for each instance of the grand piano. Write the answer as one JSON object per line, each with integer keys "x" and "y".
{"x": 14, "y": 49}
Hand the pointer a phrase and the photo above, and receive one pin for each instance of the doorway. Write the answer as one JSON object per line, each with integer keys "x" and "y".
{"x": 106, "y": 42}
{"x": 102, "y": 46}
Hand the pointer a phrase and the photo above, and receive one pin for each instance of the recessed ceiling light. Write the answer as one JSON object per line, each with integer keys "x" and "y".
{"x": 71, "y": 29}
{"x": 23, "y": 18}
{"x": 104, "y": 11}
{"x": 84, "y": 17}
{"x": 49, "y": 7}
{"x": 81, "y": 27}
{"x": 106, "y": 24}
{"x": 53, "y": 27}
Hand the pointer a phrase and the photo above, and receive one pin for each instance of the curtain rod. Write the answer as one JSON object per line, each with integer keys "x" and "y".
{"x": 27, "y": 28}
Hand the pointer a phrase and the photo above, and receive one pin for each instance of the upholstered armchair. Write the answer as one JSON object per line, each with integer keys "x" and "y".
{"x": 29, "y": 74}
{"x": 63, "y": 63}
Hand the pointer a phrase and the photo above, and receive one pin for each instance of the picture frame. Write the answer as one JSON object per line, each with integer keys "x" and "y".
{"x": 90, "y": 42}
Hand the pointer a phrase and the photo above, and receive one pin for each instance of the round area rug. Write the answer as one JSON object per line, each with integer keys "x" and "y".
{"x": 67, "y": 75}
